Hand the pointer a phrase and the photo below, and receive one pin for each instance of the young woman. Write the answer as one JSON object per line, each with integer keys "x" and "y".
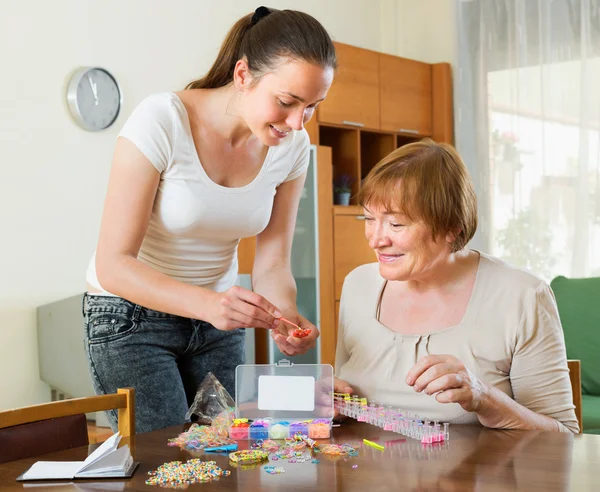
{"x": 193, "y": 172}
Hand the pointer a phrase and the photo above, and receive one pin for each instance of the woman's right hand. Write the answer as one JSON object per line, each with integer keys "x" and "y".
{"x": 341, "y": 386}
{"x": 242, "y": 308}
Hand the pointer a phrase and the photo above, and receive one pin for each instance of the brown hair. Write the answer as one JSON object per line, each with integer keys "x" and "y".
{"x": 263, "y": 41}
{"x": 428, "y": 181}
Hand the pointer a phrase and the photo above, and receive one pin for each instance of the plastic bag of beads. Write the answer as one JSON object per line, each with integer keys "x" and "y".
{"x": 211, "y": 400}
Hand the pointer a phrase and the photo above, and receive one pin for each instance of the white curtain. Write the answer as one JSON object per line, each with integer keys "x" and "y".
{"x": 528, "y": 123}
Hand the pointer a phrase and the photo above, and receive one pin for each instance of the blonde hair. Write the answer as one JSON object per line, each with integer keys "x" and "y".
{"x": 264, "y": 41}
{"x": 428, "y": 181}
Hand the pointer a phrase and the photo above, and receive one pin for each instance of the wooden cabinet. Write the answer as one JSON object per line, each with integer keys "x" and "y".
{"x": 350, "y": 246}
{"x": 337, "y": 322}
{"x": 354, "y": 95}
{"x": 405, "y": 95}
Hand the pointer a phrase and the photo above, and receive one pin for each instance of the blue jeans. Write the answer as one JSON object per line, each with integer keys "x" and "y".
{"x": 163, "y": 356}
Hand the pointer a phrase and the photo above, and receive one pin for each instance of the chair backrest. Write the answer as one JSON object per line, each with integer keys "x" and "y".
{"x": 20, "y": 421}
{"x": 46, "y": 436}
{"x": 579, "y": 309}
{"x": 575, "y": 377}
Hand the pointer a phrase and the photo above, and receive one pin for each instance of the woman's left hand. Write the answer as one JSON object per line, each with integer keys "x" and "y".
{"x": 449, "y": 380}
{"x": 287, "y": 342}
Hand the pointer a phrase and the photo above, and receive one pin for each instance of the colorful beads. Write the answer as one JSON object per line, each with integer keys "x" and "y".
{"x": 301, "y": 332}
{"x": 298, "y": 428}
{"x": 319, "y": 429}
{"x": 198, "y": 437}
{"x": 337, "y": 449}
{"x": 248, "y": 456}
{"x": 176, "y": 474}
{"x": 259, "y": 430}
{"x": 273, "y": 470}
{"x": 279, "y": 431}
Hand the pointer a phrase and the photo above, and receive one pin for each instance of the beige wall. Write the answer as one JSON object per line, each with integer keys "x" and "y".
{"x": 53, "y": 175}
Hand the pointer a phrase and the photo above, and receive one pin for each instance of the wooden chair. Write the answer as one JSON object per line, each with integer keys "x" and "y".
{"x": 50, "y": 427}
{"x": 575, "y": 377}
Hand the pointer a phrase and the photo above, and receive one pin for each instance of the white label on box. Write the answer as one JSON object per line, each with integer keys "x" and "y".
{"x": 286, "y": 393}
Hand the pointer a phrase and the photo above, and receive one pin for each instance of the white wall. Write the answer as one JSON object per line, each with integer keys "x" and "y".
{"x": 53, "y": 175}
{"x": 426, "y": 30}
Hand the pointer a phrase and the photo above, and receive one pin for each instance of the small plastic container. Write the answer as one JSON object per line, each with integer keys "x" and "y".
{"x": 259, "y": 430}
{"x": 239, "y": 431}
{"x": 299, "y": 428}
{"x": 319, "y": 429}
{"x": 279, "y": 430}
{"x": 283, "y": 399}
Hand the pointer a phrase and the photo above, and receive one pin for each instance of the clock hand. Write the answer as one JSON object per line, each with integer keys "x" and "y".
{"x": 94, "y": 90}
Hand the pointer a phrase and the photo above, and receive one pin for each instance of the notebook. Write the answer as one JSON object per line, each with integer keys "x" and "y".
{"x": 107, "y": 461}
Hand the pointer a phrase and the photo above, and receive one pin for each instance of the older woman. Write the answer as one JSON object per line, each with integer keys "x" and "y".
{"x": 436, "y": 328}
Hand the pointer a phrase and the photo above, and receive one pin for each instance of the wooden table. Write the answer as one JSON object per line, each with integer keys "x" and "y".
{"x": 473, "y": 459}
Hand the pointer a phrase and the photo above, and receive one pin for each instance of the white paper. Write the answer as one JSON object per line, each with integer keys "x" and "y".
{"x": 296, "y": 393}
{"x": 114, "y": 462}
{"x": 108, "y": 446}
{"x": 52, "y": 469}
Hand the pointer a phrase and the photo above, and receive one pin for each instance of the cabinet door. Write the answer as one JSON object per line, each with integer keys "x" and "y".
{"x": 354, "y": 95}
{"x": 406, "y": 99}
{"x": 350, "y": 246}
{"x": 337, "y": 323}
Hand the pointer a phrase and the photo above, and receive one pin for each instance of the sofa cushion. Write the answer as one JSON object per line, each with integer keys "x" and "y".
{"x": 590, "y": 409}
{"x": 578, "y": 301}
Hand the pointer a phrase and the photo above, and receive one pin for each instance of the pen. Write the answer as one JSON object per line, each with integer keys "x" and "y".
{"x": 374, "y": 445}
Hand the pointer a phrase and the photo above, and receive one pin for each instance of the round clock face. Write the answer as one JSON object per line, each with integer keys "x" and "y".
{"x": 94, "y": 98}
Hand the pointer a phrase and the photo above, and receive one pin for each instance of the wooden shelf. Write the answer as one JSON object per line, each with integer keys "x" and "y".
{"x": 347, "y": 210}
{"x": 345, "y": 152}
{"x": 374, "y": 146}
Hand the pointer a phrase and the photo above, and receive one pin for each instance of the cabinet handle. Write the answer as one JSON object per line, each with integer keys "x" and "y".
{"x": 408, "y": 130}
{"x": 353, "y": 123}
{"x": 360, "y": 217}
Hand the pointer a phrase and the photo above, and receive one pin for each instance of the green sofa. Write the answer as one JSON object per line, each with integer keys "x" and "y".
{"x": 578, "y": 301}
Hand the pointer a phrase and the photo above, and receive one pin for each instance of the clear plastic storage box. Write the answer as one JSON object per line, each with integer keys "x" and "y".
{"x": 283, "y": 399}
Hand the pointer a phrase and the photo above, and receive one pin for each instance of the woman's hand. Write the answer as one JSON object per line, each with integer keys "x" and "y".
{"x": 450, "y": 381}
{"x": 341, "y": 386}
{"x": 284, "y": 337}
{"x": 242, "y": 308}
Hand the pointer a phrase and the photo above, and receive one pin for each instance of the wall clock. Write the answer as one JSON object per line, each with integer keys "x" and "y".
{"x": 94, "y": 98}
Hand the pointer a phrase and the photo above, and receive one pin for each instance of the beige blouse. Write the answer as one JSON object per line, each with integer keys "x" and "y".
{"x": 510, "y": 337}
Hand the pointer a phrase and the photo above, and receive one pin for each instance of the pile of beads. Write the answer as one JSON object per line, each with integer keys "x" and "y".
{"x": 336, "y": 449}
{"x": 268, "y": 445}
{"x": 273, "y": 470}
{"x": 223, "y": 421}
{"x": 248, "y": 456}
{"x": 176, "y": 474}
{"x": 390, "y": 419}
{"x": 198, "y": 437}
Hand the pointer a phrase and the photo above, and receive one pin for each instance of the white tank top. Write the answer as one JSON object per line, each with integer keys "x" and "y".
{"x": 196, "y": 224}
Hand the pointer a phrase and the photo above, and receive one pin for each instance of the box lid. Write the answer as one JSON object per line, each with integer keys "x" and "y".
{"x": 284, "y": 391}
